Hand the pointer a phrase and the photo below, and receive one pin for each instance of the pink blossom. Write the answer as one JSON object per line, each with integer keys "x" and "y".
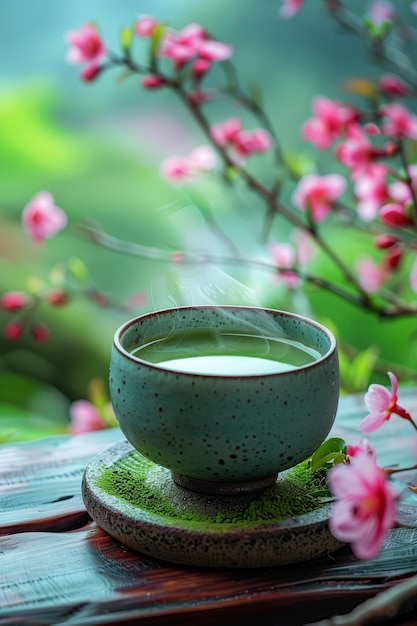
{"x": 394, "y": 215}
{"x": 380, "y": 12}
{"x": 41, "y": 218}
{"x": 399, "y": 121}
{"x": 371, "y": 190}
{"x": 361, "y": 447}
{"x": 365, "y": 508}
{"x": 145, "y": 26}
{"x": 400, "y": 191}
{"x": 284, "y": 256}
{"x": 178, "y": 51}
{"x": 136, "y": 300}
{"x": 248, "y": 142}
{"x": 192, "y": 42}
{"x": 181, "y": 169}
{"x": 242, "y": 142}
{"x": 213, "y": 50}
{"x": 392, "y": 85}
{"x": 177, "y": 168}
{"x": 291, "y": 7}
{"x": 224, "y": 133}
{"x": 85, "y": 417}
{"x": 330, "y": 121}
{"x": 317, "y": 194}
{"x": 86, "y": 47}
{"x": 381, "y": 404}
{"x": 203, "y": 158}
{"x": 371, "y": 275}
{"x": 356, "y": 152}
{"x": 306, "y": 250}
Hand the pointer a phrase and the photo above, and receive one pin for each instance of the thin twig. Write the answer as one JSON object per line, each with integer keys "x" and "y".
{"x": 98, "y": 236}
{"x": 379, "y": 609}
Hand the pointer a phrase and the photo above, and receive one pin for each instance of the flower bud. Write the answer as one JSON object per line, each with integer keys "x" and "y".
{"x": 13, "y": 330}
{"x": 14, "y": 301}
{"x": 90, "y": 72}
{"x": 198, "y": 97}
{"x": 152, "y": 82}
{"x": 57, "y": 297}
{"x": 100, "y": 298}
{"x": 385, "y": 241}
{"x": 40, "y": 333}
{"x": 145, "y": 26}
{"x": 200, "y": 67}
{"x": 393, "y": 257}
{"x": 392, "y": 86}
{"x": 394, "y": 215}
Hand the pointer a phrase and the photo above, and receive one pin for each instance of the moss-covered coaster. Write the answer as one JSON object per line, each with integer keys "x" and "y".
{"x": 138, "y": 503}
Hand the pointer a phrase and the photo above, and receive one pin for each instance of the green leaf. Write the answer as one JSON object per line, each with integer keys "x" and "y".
{"x": 356, "y": 372}
{"x": 57, "y": 275}
{"x": 377, "y": 31}
{"x": 231, "y": 174}
{"x": 300, "y": 164}
{"x": 78, "y": 269}
{"x": 155, "y": 40}
{"x": 126, "y": 36}
{"x": 331, "y": 452}
{"x": 362, "y": 367}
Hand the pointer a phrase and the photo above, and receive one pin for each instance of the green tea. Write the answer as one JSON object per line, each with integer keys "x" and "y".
{"x": 226, "y": 353}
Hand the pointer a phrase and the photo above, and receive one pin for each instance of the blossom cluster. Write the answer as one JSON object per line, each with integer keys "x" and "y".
{"x": 366, "y": 501}
{"x": 379, "y": 191}
{"x": 42, "y": 219}
{"x": 363, "y": 142}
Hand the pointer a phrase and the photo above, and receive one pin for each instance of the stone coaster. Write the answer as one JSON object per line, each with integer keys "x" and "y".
{"x": 139, "y": 504}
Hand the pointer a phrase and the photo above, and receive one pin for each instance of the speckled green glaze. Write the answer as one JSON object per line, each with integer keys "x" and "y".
{"x": 138, "y": 503}
{"x": 224, "y": 428}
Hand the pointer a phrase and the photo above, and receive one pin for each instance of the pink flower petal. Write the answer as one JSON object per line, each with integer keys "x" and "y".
{"x": 377, "y": 398}
{"x": 41, "y": 218}
{"x": 372, "y": 422}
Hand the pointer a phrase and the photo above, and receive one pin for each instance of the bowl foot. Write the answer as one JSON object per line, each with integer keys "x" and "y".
{"x": 223, "y": 488}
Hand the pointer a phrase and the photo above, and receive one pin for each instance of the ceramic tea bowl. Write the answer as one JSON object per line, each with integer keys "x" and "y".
{"x": 227, "y": 430}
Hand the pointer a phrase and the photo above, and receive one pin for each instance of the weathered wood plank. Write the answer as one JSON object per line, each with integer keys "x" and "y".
{"x": 56, "y": 566}
{"x": 40, "y": 481}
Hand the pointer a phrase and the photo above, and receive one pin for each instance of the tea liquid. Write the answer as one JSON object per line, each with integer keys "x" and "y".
{"x": 226, "y": 353}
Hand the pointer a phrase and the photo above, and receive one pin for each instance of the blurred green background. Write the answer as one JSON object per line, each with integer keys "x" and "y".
{"x": 98, "y": 147}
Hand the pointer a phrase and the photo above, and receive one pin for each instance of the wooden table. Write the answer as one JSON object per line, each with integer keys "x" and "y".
{"x": 58, "y": 567}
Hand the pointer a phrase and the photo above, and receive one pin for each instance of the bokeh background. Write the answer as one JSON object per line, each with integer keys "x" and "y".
{"x": 98, "y": 148}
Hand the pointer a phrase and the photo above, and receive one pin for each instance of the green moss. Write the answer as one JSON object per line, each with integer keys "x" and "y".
{"x": 140, "y": 483}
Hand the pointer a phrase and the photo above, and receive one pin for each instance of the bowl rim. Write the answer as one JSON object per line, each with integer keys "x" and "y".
{"x": 123, "y": 328}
